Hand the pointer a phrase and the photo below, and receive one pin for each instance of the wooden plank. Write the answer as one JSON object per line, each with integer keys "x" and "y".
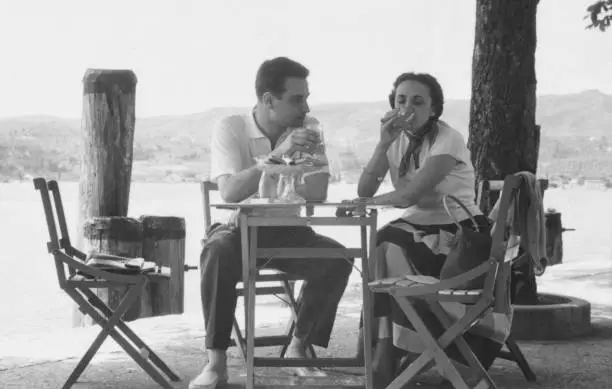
{"x": 272, "y": 378}
{"x": 301, "y": 362}
{"x": 115, "y": 235}
{"x": 93, "y": 284}
{"x": 249, "y": 250}
{"x": 164, "y": 243}
{"x": 261, "y": 221}
{"x": 269, "y": 341}
{"x": 275, "y": 276}
{"x": 307, "y": 252}
{"x": 262, "y": 290}
{"x": 253, "y": 205}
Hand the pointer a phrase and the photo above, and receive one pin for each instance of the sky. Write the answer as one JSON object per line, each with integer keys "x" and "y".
{"x": 192, "y": 55}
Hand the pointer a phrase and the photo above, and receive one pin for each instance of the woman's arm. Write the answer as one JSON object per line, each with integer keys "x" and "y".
{"x": 377, "y": 168}
{"x": 435, "y": 169}
{"x": 374, "y": 172}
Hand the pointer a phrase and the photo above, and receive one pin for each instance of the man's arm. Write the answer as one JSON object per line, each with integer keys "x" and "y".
{"x": 236, "y": 187}
{"x": 435, "y": 169}
{"x": 234, "y": 183}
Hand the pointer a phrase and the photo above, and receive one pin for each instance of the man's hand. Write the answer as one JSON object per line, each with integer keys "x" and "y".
{"x": 303, "y": 139}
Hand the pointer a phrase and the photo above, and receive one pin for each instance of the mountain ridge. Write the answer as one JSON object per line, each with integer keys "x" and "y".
{"x": 574, "y": 138}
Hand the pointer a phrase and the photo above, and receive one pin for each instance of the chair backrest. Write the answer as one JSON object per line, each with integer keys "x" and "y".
{"x": 54, "y": 214}
{"x": 64, "y": 254}
{"x": 206, "y": 187}
{"x": 505, "y": 244}
{"x": 487, "y": 187}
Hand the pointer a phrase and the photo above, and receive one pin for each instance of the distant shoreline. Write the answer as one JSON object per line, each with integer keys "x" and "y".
{"x": 554, "y": 182}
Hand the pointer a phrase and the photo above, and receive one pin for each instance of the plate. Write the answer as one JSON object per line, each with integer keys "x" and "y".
{"x": 288, "y": 169}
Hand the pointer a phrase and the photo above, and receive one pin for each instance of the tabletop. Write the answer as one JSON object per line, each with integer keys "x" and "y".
{"x": 267, "y": 203}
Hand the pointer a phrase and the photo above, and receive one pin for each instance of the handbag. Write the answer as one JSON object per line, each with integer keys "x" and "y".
{"x": 469, "y": 248}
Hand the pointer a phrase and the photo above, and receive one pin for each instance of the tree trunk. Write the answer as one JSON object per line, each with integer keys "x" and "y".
{"x": 504, "y": 138}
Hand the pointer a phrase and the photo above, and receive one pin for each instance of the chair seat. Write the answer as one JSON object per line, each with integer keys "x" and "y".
{"x": 414, "y": 282}
{"x": 465, "y": 296}
{"x": 276, "y": 275}
{"x": 160, "y": 272}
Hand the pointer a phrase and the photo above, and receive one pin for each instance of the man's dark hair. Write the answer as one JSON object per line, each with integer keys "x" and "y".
{"x": 272, "y": 74}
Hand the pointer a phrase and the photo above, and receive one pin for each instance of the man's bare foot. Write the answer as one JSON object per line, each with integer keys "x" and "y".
{"x": 296, "y": 352}
{"x": 214, "y": 375}
{"x": 297, "y": 349}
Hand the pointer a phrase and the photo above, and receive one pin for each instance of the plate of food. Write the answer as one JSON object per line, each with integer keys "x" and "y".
{"x": 288, "y": 165}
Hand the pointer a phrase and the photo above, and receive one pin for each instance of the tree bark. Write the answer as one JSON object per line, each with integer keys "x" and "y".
{"x": 118, "y": 236}
{"x": 164, "y": 244}
{"x": 108, "y": 137}
{"x": 504, "y": 138}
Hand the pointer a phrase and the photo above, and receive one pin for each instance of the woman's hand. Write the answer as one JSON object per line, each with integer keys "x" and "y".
{"x": 353, "y": 207}
{"x": 392, "y": 124}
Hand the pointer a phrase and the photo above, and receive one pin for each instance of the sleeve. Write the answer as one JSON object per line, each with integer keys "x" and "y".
{"x": 450, "y": 142}
{"x": 225, "y": 153}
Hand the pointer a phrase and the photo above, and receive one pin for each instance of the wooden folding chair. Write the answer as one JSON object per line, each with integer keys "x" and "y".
{"x": 80, "y": 281}
{"x": 284, "y": 290}
{"x": 492, "y": 298}
{"x": 513, "y": 352}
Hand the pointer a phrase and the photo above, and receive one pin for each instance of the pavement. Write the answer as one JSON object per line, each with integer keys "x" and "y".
{"x": 45, "y": 360}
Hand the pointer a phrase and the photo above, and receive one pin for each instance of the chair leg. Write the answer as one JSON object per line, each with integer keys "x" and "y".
{"x": 139, "y": 343}
{"x": 464, "y": 348}
{"x": 433, "y": 350}
{"x": 436, "y": 347}
{"x": 293, "y": 306}
{"x": 241, "y": 341}
{"x": 86, "y": 308}
{"x": 519, "y": 358}
{"x": 108, "y": 328}
{"x": 89, "y": 354}
{"x": 422, "y": 363}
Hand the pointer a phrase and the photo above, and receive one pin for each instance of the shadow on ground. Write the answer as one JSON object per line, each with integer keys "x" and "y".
{"x": 583, "y": 362}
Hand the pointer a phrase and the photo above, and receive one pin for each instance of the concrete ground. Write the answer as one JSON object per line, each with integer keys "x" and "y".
{"x": 45, "y": 360}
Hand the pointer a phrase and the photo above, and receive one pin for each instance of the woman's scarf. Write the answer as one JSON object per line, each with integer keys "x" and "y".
{"x": 414, "y": 146}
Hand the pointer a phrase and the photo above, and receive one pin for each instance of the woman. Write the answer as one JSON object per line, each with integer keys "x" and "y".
{"x": 426, "y": 159}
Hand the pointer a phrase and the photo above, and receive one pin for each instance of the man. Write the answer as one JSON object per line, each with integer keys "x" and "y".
{"x": 273, "y": 127}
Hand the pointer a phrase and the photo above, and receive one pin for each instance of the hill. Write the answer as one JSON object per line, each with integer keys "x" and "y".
{"x": 574, "y": 141}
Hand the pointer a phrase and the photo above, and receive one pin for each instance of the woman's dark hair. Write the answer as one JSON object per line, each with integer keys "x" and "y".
{"x": 435, "y": 90}
{"x": 272, "y": 74}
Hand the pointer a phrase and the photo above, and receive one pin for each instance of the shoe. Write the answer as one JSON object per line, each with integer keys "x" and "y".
{"x": 209, "y": 379}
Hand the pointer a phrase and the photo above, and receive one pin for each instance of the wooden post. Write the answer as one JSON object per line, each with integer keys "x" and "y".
{"x": 554, "y": 238}
{"x": 119, "y": 236}
{"x": 164, "y": 244}
{"x": 108, "y": 136}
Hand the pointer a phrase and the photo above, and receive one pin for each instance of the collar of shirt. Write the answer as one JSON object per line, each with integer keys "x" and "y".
{"x": 253, "y": 131}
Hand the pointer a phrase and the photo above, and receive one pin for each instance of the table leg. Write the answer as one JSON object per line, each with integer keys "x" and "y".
{"x": 367, "y": 297}
{"x": 249, "y": 248}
